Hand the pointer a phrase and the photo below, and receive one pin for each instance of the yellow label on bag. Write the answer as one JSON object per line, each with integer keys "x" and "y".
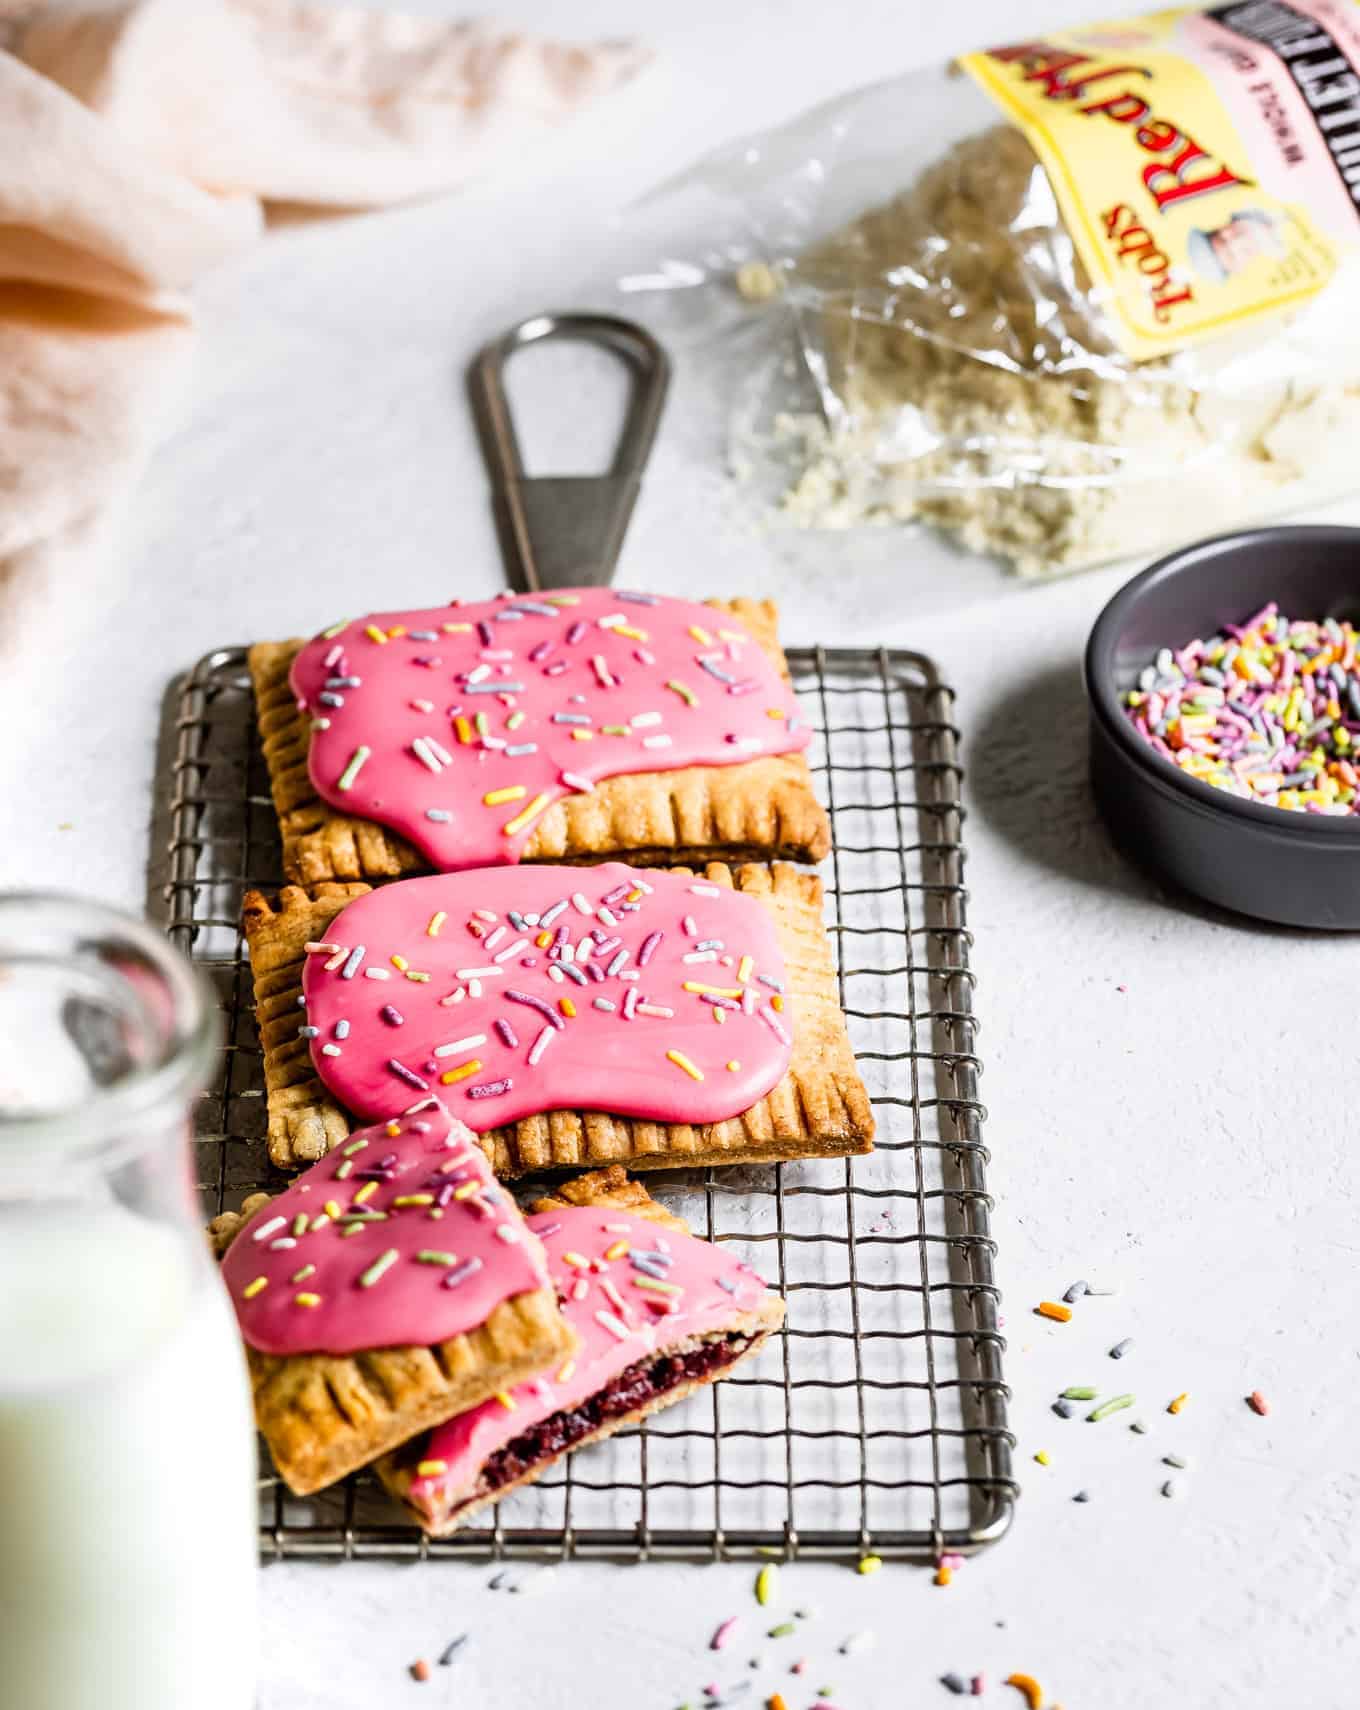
{"x": 1206, "y": 162}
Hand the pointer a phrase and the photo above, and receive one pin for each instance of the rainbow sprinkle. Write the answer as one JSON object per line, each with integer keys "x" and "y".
{"x": 1116, "y": 1404}
{"x": 1029, "y": 1687}
{"x": 513, "y": 827}
{"x": 380, "y": 1266}
{"x": 356, "y": 763}
{"x": 1267, "y": 710}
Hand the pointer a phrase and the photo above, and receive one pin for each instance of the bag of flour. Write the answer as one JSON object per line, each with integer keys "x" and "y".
{"x": 1069, "y": 299}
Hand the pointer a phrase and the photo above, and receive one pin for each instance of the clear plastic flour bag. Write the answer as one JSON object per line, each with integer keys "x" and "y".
{"x": 1067, "y": 300}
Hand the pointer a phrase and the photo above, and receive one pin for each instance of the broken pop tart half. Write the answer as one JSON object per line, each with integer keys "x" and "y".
{"x": 391, "y": 1286}
{"x": 658, "y": 1314}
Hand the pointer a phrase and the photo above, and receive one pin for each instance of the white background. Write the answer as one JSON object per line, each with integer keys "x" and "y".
{"x": 1190, "y": 1137}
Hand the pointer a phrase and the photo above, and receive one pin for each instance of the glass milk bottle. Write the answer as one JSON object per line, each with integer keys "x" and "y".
{"x": 127, "y": 1452}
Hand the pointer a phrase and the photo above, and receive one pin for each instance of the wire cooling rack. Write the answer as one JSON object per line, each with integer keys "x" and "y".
{"x": 877, "y": 1420}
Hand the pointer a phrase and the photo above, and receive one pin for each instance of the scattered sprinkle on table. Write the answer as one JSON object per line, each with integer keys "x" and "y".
{"x": 781, "y": 1631}
{"x": 869, "y": 1564}
{"x": 767, "y": 1585}
{"x": 1267, "y": 710}
{"x": 954, "y": 1683}
{"x": 1043, "y": 1458}
{"x": 1171, "y": 1488}
{"x": 1115, "y": 1404}
{"x": 1066, "y": 1409}
{"x": 420, "y": 1669}
{"x": 1074, "y": 1292}
{"x": 1178, "y": 1461}
{"x": 1027, "y": 1685}
{"x": 1081, "y": 1496}
{"x": 1258, "y": 1403}
{"x": 451, "y": 1650}
{"x": 1079, "y": 1392}
{"x": 1178, "y": 1403}
{"x": 1121, "y": 1348}
{"x": 722, "y": 1633}
{"x": 1055, "y": 1310}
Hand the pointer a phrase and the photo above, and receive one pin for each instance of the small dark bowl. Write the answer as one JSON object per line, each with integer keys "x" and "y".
{"x": 1299, "y": 869}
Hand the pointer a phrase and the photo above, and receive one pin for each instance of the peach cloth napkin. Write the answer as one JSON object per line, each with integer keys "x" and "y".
{"x": 137, "y": 147}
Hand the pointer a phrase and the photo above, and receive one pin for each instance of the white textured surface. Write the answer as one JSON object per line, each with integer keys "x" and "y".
{"x": 1155, "y": 1135}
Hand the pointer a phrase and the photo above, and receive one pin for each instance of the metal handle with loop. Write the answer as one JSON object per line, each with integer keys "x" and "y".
{"x": 557, "y": 530}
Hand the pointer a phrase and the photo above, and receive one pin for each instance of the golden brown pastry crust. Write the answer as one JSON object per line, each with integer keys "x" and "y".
{"x": 323, "y": 1415}
{"x": 819, "y": 1109}
{"x": 754, "y": 809}
{"x": 305, "y": 1122}
{"x": 614, "y": 1189}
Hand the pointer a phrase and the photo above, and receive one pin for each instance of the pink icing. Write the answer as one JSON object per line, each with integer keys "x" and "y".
{"x": 412, "y": 1301}
{"x": 710, "y": 1287}
{"x": 417, "y": 982}
{"x": 418, "y": 716}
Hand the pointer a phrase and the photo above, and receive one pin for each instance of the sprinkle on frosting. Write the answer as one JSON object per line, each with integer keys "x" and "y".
{"x": 585, "y": 697}
{"x": 681, "y": 1061}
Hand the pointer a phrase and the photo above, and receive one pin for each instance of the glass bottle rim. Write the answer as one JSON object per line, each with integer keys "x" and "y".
{"x": 128, "y": 1114}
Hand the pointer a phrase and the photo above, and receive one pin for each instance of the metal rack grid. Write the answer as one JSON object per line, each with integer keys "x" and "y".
{"x": 878, "y": 1419}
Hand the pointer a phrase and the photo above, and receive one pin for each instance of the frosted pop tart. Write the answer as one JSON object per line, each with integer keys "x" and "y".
{"x": 392, "y": 1285}
{"x": 582, "y": 723}
{"x": 571, "y": 1016}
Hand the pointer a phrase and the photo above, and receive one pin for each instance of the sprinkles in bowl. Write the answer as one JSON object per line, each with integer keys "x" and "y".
{"x": 1268, "y": 710}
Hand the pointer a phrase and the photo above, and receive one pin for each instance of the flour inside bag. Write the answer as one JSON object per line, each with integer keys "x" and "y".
{"x": 1068, "y": 300}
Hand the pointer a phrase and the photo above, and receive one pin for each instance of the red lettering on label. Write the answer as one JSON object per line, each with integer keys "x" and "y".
{"x": 1066, "y": 76}
{"x": 1157, "y": 136}
{"x": 1183, "y": 186}
{"x": 1133, "y": 243}
{"x": 1075, "y": 90}
{"x": 1164, "y": 300}
{"x": 1124, "y": 108}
